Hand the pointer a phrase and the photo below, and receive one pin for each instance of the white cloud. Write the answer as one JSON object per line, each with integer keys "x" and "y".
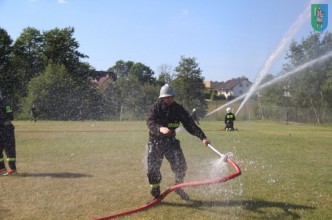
{"x": 62, "y": 1}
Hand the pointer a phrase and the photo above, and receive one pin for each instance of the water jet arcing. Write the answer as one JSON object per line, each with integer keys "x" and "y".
{"x": 277, "y": 79}
{"x": 304, "y": 16}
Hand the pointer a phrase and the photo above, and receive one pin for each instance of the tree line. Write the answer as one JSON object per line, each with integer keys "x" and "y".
{"x": 46, "y": 69}
{"x": 310, "y": 88}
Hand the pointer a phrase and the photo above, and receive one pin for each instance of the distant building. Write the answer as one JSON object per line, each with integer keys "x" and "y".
{"x": 231, "y": 88}
{"x": 103, "y": 78}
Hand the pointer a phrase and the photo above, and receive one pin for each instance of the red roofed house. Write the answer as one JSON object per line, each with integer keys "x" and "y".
{"x": 104, "y": 78}
{"x": 234, "y": 87}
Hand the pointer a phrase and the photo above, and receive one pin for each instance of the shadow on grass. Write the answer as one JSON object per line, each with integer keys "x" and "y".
{"x": 54, "y": 175}
{"x": 253, "y": 205}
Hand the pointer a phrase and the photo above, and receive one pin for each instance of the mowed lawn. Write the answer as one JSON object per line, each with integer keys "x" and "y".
{"x": 82, "y": 170}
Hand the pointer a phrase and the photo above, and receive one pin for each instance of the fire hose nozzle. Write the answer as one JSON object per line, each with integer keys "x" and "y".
{"x": 227, "y": 155}
{"x": 224, "y": 156}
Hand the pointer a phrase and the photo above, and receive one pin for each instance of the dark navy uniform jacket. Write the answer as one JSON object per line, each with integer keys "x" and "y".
{"x": 6, "y": 114}
{"x": 229, "y": 117}
{"x": 160, "y": 115}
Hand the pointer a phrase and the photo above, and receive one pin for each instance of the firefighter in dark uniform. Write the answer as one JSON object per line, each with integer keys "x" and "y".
{"x": 229, "y": 120}
{"x": 164, "y": 117}
{"x": 33, "y": 113}
{"x": 7, "y": 139}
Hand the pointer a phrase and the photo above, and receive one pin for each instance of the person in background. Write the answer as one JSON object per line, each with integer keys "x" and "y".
{"x": 229, "y": 120}
{"x": 80, "y": 113}
{"x": 7, "y": 139}
{"x": 194, "y": 116}
{"x": 164, "y": 117}
{"x": 33, "y": 113}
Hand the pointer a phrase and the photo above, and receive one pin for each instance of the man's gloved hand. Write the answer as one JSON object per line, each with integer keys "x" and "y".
{"x": 166, "y": 131}
{"x": 206, "y": 141}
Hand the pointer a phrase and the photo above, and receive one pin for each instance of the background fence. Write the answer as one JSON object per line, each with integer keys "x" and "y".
{"x": 282, "y": 114}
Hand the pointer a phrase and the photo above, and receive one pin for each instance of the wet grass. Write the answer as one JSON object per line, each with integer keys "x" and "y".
{"x": 81, "y": 170}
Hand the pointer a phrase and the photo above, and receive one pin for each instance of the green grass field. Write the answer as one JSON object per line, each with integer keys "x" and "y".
{"x": 82, "y": 170}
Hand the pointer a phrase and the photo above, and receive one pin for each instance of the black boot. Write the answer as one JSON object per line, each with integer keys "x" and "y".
{"x": 182, "y": 194}
{"x": 155, "y": 192}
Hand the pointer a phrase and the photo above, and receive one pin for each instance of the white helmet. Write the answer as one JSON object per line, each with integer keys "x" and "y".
{"x": 228, "y": 110}
{"x": 166, "y": 91}
{"x": 194, "y": 110}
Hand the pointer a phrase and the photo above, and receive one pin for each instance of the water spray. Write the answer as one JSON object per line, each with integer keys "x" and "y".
{"x": 304, "y": 16}
{"x": 277, "y": 79}
{"x": 296, "y": 70}
{"x": 228, "y": 103}
{"x": 226, "y": 157}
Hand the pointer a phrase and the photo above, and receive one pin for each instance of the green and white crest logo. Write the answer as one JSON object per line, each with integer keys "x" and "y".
{"x": 319, "y": 16}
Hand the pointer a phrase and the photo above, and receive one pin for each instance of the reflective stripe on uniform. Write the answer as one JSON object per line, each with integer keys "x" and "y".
{"x": 155, "y": 185}
{"x": 9, "y": 109}
{"x": 11, "y": 159}
{"x": 230, "y": 116}
{"x": 1, "y": 159}
{"x": 173, "y": 125}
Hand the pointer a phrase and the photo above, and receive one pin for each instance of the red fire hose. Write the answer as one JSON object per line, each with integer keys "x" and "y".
{"x": 175, "y": 187}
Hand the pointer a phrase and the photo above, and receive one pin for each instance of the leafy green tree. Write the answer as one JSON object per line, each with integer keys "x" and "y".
{"x": 127, "y": 98}
{"x": 7, "y": 77}
{"x": 306, "y": 87}
{"x": 166, "y": 74}
{"x": 131, "y": 69}
{"x": 189, "y": 85}
{"x": 327, "y": 88}
{"x": 111, "y": 101}
{"x": 309, "y": 88}
{"x": 150, "y": 95}
{"x": 52, "y": 93}
{"x": 59, "y": 97}
{"x": 275, "y": 94}
{"x": 327, "y": 85}
{"x": 27, "y": 58}
{"x": 143, "y": 73}
{"x": 60, "y": 47}
{"x": 132, "y": 92}
{"x": 134, "y": 97}
{"x": 121, "y": 68}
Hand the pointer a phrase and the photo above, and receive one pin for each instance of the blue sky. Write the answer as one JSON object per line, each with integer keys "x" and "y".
{"x": 228, "y": 38}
